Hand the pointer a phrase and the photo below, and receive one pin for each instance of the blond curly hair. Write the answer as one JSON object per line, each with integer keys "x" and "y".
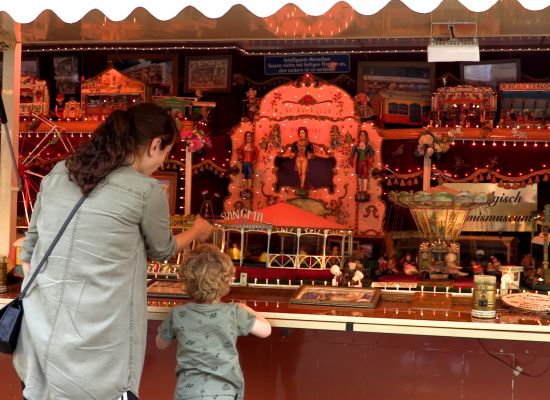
{"x": 207, "y": 273}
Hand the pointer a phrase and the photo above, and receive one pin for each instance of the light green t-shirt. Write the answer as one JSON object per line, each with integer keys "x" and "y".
{"x": 207, "y": 359}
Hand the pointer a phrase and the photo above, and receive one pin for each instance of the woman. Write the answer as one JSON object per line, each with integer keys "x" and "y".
{"x": 84, "y": 329}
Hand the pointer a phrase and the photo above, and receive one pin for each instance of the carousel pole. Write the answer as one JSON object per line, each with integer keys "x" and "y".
{"x": 545, "y": 270}
{"x": 188, "y": 125}
{"x": 545, "y": 229}
{"x": 4, "y": 121}
{"x": 188, "y": 175}
{"x": 241, "y": 253}
{"x": 325, "y": 236}
{"x": 267, "y": 263}
{"x": 9, "y": 140}
{"x": 427, "y": 173}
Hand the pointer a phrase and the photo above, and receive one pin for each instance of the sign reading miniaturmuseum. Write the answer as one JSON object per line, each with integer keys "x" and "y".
{"x": 510, "y": 210}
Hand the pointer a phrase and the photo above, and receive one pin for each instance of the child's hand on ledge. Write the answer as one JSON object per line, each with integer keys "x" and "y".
{"x": 261, "y": 327}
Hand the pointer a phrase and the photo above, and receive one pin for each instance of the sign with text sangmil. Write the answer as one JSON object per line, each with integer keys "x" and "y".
{"x": 510, "y": 210}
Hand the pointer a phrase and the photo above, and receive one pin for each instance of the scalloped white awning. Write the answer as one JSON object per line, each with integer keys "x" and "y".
{"x": 71, "y": 11}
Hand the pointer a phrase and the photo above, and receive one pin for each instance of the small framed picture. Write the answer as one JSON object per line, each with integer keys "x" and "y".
{"x": 168, "y": 289}
{"x": 169, "y": 182}
{"x": 376, "y": 76}
{"x": 30, "y": 67}
{"x": 158, "y": 72}
{"x": 208, "y": 74}
{"x": 65, "y": 74}
{"x": 337, "y": 296}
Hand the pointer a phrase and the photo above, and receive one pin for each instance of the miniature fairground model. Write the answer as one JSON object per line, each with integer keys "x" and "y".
{"x": 302, "y": 146}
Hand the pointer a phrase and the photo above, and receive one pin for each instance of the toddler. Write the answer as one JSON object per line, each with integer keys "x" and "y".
{"x": 207, "y": 330}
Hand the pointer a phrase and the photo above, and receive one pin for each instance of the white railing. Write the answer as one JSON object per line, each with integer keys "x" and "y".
{"x": 303, "y": 261}
{"x": 281, "y": 261}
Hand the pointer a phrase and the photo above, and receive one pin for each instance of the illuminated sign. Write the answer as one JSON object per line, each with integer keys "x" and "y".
{"x": 243, "y": 214}
{"x": 317, "y": 64}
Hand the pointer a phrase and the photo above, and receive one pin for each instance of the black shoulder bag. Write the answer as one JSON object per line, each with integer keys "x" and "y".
{"x": 12, "y": 314}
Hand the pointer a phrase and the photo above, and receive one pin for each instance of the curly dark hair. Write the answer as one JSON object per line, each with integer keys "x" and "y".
{"x": 207, "y": 273}
{"x": 304, "y": 129}
{"x": 123, "y": 134}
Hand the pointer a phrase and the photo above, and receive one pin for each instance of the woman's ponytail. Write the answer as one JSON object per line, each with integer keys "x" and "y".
{"x": 117, "y": 140}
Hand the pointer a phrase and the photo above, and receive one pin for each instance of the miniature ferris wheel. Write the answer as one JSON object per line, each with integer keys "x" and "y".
{"x": 38, "y": 151}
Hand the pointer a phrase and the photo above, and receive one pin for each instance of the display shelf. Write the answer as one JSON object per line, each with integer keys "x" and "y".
{"x": 67, "y": 126}
{"x": 497, "y": 133}
{"x": 394, "y": 314}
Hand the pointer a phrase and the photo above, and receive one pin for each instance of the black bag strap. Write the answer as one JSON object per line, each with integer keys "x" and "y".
{"x": 50, "y": 249}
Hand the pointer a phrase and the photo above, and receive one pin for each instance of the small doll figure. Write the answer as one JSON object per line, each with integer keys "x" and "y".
{"x": 476, "y": 267}
{"x": 275, "y": 136}
{"x": 59, "y": 105}
{"x": 355, "y": 274}
{"x": 409, "y": 267}
{"x": 508, "y": 116}
{"x": 335, "y": 138}
{"x": 451, "y": 266}
{"x": 362, "y": 156}
{"x": 302, "y": 151}
{"x": 234, "y": 252}
{"x": 362, "y": 106}
{"x": 337, "y": 274}
{"x": 248, "y": 153}
{"x": 493, "y": 266}
{"x": 348, "y": 139}
{"x": 507, "y": 282}
{"x": 391, "y": 266}
{"x": 179, "y": 117}
{"x": 382, "y": 266}
{"x": 251, "y": 104}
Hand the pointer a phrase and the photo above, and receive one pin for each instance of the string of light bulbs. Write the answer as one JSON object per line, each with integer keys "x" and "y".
{"x": 56, "y": 49}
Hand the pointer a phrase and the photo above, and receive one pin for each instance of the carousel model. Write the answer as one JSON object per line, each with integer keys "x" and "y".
{"x": 439, "y": 214}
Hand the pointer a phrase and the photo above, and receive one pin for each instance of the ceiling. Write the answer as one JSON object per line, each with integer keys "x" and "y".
{"x": 506, "y": 25}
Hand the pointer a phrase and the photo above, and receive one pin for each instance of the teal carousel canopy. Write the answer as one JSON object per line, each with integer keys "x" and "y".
{"x": 441, "y": 212}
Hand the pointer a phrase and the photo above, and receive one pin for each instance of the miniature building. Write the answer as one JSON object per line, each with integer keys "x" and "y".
{"x": 403, "y": 108}
{"x": 109, "y": 91}
{"x": 72, "y": 110}
{"x": 34, "y": 97}
{"x": 524, "y": 104}
{"x": 464, "y": 105}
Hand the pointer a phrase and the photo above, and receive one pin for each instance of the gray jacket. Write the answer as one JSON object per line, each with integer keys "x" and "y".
{"x": 84, "y": 331}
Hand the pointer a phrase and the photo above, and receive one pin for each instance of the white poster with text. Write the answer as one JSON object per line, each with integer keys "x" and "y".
{"x": 510, "y": 210}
